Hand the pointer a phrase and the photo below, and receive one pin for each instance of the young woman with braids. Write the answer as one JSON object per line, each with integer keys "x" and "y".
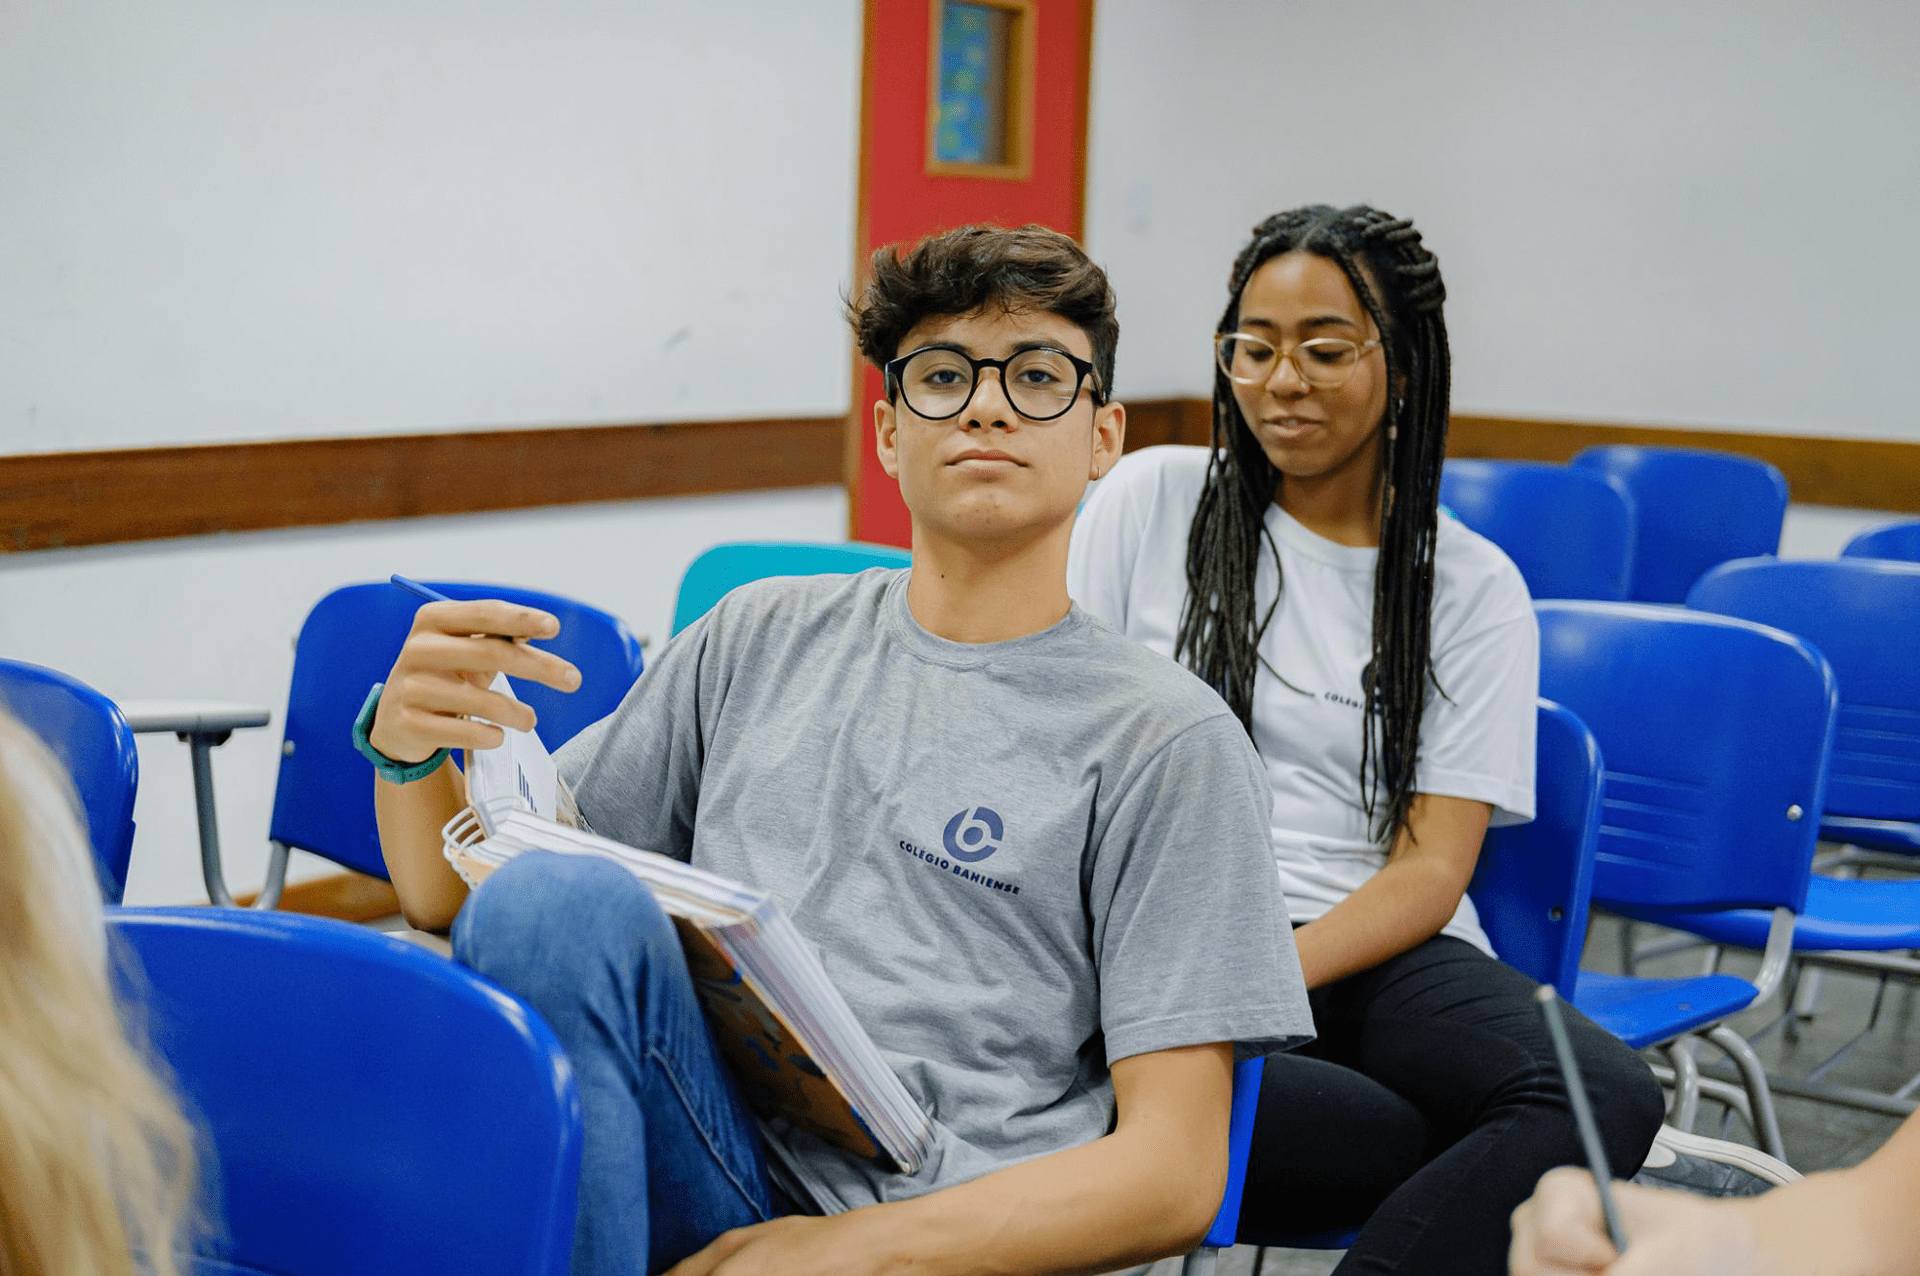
{"x": 1384, "y": 660}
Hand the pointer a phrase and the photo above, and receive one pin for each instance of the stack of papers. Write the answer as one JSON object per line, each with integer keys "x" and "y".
{"x": 793, "y": 1043}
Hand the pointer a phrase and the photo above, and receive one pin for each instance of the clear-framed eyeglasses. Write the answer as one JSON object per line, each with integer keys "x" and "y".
{"x": 1040, "y": 383}
{"x": 1325, "y": 363}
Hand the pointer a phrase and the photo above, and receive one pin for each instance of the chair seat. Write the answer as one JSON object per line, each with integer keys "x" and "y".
{"x": 1902, "y": 836}
{"x": 1646, "y": 1012}
{"x": 1842, "y": 916}
{"x": 1332, "y": 1238}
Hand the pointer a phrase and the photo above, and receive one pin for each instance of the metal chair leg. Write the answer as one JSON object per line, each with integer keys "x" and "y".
{"x": 1766, "y": 1124}
{"x": 200, "y": 745}
{"x": 1807, "y": 1001}
{"x": 1199, "y": 1262}
{"x": 1686, "y": 1084}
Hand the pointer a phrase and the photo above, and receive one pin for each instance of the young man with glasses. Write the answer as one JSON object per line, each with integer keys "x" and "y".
{"x": 1032, "y": 854}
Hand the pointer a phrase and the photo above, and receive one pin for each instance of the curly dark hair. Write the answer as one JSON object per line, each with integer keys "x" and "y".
{"x": 972, "y": 267}
{"x": 1398, "y": 282}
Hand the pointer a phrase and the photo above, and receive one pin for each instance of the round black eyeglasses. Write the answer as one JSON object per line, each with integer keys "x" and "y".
{"x": 1040, "y": 383}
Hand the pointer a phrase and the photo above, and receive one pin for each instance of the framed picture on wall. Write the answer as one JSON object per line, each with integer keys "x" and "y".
{"x": 980, "y": 90}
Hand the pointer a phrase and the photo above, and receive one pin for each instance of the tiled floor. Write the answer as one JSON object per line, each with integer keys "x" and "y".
{"x": 1818, "y": 1136}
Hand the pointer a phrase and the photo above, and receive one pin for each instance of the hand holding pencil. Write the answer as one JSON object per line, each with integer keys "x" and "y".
{"x": 1560, "y": 1231}
{"x": 437, "y": 694}
{"x": 1577, "y": 1222}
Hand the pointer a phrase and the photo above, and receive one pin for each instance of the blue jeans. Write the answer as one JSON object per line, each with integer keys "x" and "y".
{"x": 670, "y": 1158}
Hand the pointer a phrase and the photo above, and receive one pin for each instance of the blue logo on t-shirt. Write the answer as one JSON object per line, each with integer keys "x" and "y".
{"x": 973, "y": 835}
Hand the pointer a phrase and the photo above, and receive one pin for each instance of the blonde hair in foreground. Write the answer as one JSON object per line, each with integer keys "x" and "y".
{"x": 96, "y": 1162}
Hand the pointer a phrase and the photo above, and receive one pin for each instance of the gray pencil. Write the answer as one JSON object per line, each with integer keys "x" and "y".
{"x": 1583, "y": 1116}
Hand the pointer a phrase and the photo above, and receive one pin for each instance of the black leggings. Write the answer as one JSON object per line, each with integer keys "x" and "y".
{"x": 1428, "y": 1107}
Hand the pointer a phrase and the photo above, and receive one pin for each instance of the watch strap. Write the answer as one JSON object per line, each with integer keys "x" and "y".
{"x": 389, "y": 770}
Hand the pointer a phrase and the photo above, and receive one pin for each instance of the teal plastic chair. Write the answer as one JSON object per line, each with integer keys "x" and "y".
{"x": 725, "y": 567}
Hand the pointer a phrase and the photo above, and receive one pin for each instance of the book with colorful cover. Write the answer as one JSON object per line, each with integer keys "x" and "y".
{"x": 793, "y": 1044}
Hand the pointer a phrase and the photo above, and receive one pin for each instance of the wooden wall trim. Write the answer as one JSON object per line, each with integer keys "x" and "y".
{"x": 1874, "y": 474}
{"x": 64, "y": 499}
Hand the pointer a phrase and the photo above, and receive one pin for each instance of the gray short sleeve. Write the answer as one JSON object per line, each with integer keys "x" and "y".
{"x": 1176, "y": 900}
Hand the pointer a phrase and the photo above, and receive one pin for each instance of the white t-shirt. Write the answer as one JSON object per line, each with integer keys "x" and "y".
{"x": 1128, "y": 566}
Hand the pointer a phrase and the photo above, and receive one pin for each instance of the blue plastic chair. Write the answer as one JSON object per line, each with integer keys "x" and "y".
{"x": 1569, "y": 531}
{"x": 1226, "y": 1223}
{"x": 1693, "y": 509}
{"x": 369, "y": 1107}
{"x": 1716, "y": 735}
{"x": 1533, "y": 881}
{"x": 723, "y": 568}
{"x": 323, "y": 801}
{"x": 87, "y": 733}
{"x": 1864, "y": 616}
{"x": 1896, "y": 540}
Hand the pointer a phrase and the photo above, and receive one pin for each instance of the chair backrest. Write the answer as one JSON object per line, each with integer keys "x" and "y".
{"x": 1692, "y": 508}
{"x": 90, "y": 737}
{"x": 724, "y": 567}
{"x": 370, "y": 1106}
{"x": 1715, "y": 733}
{"x": 1895, "y": 540}
{"x": 1569, "y": 531}
{"x": 1864, "y": 616}
{"x": 1534, "y": 881}
{"x": 323, "y": 801}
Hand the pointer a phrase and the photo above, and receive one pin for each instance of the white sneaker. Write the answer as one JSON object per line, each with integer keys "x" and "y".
{"x": 1711, "y": 1167}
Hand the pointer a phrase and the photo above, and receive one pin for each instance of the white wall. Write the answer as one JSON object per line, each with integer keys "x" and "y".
{"x": 1670, "y": 213}
{"x": 216, "y": 618}
{"x": 223, "y": 219}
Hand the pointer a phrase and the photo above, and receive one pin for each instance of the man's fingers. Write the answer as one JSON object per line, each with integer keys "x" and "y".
{"x": 487, "y": 616}
{"x": 466, "y": 654}
{"x": 436, "y": 694}
{"x": 440, "y": 731}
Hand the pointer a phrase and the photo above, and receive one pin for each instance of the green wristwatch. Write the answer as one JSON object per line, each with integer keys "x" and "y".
{"x": 389, "y": 770}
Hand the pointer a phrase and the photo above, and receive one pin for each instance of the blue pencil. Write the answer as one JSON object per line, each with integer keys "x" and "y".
{"x": 433, "y": 595}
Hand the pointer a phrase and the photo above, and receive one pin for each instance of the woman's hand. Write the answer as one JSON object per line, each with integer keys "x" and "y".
{"x": 437, "y": 695}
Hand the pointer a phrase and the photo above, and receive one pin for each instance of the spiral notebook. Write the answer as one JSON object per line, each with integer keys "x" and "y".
{"x": 793, "y": 1044}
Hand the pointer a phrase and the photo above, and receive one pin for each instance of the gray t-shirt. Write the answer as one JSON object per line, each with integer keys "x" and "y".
{"x": 1020, "y": 861}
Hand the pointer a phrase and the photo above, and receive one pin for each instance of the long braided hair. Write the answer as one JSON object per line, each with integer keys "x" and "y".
{"x": 1398, "y": 282}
